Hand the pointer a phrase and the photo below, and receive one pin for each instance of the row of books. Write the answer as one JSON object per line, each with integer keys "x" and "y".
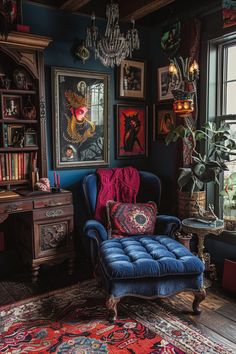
{"x": 15, "y": 166}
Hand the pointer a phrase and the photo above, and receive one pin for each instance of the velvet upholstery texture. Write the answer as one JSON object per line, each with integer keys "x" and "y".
{"x": 146, "y": 257}
{"x": 142, "y": 265}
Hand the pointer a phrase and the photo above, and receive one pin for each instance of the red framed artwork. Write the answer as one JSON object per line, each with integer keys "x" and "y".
{"x": 131, "y": 131}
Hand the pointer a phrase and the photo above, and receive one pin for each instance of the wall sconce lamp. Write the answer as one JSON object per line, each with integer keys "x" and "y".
{"x": 183, "y": 80}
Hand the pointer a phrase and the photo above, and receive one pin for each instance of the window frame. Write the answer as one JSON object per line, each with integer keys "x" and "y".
{"x": 216, "y": 98}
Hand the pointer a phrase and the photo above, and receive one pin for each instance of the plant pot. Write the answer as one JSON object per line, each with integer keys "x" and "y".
{"x": 186, "y": 203}
{"x": 230, "y": 223}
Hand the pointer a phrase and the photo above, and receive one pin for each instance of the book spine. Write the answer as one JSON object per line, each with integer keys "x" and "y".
{"x": 9, "y": 164}
{"x": 13, "y": 166}
{"x": 0, "y": 168}
{"x": 16, "y": 166}
{"x": 19, "y": 166}
{"x": 3, "y": 168}
{"x": 22, "y": 165}
{"x": 7, "y": 167}
{"x": 5, "y": 135}
{"x": 27, "y": 161}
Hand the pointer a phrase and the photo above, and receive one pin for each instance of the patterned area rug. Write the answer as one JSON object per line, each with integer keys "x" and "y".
{"x": 72, "y": 320}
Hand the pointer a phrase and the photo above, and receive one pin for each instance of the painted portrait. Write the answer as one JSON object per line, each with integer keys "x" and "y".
{"x": 80, "y": 118}
{"x": 164, "y": 120}
{"x": 131, "y": 137}
{"x": 170, "y": 39}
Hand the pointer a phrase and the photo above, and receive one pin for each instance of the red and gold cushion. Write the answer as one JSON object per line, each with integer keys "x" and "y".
{"x": 131, "y": 219}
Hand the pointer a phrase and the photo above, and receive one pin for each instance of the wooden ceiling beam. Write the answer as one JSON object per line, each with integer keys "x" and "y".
{"x": 140, "y": 9}
{"x": 73, "y": 5}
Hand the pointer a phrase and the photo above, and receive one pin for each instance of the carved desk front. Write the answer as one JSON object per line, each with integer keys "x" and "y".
{"x": 44, "y": 226}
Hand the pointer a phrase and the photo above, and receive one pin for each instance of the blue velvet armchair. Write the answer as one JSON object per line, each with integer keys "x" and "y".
{"x": 148, "y": 266}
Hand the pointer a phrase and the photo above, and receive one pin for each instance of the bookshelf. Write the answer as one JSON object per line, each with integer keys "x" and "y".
{"x": 22, "y": 109}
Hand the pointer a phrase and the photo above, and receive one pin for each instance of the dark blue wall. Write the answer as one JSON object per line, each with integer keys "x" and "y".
{"x": 64, "y": 28}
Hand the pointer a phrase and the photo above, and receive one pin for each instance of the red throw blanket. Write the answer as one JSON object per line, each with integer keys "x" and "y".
{"x": 118, "y": 184}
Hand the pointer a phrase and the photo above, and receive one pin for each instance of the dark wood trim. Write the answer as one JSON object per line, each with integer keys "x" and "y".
{"x": 138, "y": 11}
{"x": 73, "y": 5}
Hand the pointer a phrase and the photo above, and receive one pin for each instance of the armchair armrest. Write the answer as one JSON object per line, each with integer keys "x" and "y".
{"x": 97, "y": 234}
{"x": 95, "y": 231}
{"x": 167, "y": 225}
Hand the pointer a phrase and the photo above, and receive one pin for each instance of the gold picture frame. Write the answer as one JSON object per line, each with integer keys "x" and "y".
{"x": 80, "y": 118}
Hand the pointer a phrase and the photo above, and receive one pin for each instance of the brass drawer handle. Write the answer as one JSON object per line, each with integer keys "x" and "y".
{"x": 54, "y": 213}
{"x": 53, "y": 203}
{"x": 12, "y": 208}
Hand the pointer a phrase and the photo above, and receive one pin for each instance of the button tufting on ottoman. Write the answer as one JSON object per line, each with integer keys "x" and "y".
{"x": 147, "y": 256}
{"x": 149, "y": 267}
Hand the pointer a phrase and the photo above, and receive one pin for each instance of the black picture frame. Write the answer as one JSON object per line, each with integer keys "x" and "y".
{"x": 163, "y": 117}
{"x": 131, "y": 131}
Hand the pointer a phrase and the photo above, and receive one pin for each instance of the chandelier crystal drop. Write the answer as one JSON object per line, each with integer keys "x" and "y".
{"x": 114, "y": 46}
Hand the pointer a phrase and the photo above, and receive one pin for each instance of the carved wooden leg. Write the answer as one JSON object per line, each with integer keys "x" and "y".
{"x": 71, "y": 263}
{"x": 199, "y": 296}
{"x": 34, "y": 273}
{"x": 111, "y": 305}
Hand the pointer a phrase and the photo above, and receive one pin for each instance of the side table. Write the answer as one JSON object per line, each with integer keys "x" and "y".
{"x": 202, "y": 229}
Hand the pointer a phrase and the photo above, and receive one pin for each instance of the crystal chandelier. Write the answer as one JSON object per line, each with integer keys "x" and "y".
{"x": 114, "y": 46}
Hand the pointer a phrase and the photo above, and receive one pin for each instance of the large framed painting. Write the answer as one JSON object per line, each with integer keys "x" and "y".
{"x": 164, "y": 120}
{"x": 163, "y": 84}
{"x": 132, "y": 79}
{"x": 80, "y": 116}
{"x": 131, "y": 131}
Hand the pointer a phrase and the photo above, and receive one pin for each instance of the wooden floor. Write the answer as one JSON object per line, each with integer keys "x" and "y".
{"x": 217, "y": 320}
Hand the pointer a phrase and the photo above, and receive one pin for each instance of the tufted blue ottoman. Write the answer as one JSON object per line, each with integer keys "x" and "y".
{"x": 149, "y": 267}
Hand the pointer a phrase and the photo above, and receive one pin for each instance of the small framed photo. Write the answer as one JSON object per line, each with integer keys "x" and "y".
{"x": 163, "y": 120}
{"x": 11, "y": 106}
{"x": 163, "y": 84}
{"x": 15, "y": 135}
{"x": 131, "y": 131}
{"x": 30, "y": 138}
{"x": 132, "y": 79}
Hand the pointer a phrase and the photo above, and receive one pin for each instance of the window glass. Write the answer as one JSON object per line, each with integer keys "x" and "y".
{"x": 231, "y": 65}
{"x": 231, "y": 97}
{"x": 229, "y": 191}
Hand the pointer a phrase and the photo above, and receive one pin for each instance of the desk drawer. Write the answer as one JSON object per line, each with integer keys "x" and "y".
{"x": 51, "y": 213}
{"x": 53, "y": 201}
{"x": 15, "y": 207}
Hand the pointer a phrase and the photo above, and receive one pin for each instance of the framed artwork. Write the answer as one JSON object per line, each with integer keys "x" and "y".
{"x": 15, "y": 135}
{"x": 12, "y": 11}
{"x": 30, "y": 138}
{"x": 170, "y": 39}
{"x": 80, "y": 117}
{"x": 163, "y": 120}
{"x": 131, "y": 79}
{"x": 131, "y": 131}
{"x": 11, "y": 106}
{"x": 163, "y": 84}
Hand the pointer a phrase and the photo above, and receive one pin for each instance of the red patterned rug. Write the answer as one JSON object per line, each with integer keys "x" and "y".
{"x": 72, "y": 320}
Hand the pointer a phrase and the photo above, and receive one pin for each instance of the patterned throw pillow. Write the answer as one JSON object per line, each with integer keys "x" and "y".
{"x": 130, "y": 219}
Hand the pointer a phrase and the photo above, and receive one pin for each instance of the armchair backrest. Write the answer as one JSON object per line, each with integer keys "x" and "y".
{"x": 150, "y": 189}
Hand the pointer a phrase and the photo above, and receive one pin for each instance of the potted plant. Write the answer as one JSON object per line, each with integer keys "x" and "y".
{"x": 229, "y": 196}
{"x": 204, "y": 168}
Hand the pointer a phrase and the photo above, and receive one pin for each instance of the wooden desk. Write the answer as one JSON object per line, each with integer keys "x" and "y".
{"x": 44, "y": 225}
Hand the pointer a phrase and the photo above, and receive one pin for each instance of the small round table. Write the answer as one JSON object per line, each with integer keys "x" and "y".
{"x": 201, "y": 229}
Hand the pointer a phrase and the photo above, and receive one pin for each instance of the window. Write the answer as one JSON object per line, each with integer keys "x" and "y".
{"x": 227, "y": 110}
{"x": 97, "y": 94}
